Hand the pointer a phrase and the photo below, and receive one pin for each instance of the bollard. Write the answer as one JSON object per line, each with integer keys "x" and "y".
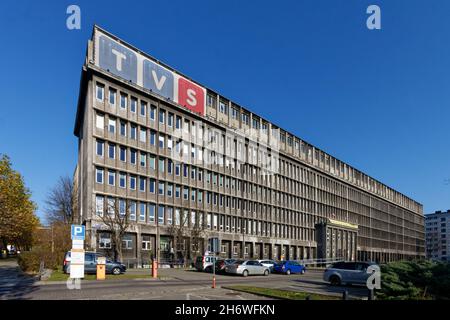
{"x": 371, "y": 295}
{"x": 214, "y": 282}
{"x": 345, "y": 295}
{"x": 154, "y": 269}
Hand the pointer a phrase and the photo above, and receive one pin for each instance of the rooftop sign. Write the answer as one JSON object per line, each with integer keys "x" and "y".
{"x": 122, "y": 61}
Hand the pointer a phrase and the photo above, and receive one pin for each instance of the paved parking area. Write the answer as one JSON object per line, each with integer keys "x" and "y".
{"x": 179, "y": 284}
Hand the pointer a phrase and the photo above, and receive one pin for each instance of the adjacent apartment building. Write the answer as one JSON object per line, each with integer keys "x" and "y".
{"x": 187, "y": 164}
{"x": 437, "y": 231}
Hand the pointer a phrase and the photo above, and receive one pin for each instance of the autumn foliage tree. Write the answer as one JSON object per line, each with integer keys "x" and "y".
{"x": 17, "y": 211}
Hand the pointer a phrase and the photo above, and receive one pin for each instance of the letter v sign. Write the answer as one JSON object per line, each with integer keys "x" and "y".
{"x": 159, "y": 83}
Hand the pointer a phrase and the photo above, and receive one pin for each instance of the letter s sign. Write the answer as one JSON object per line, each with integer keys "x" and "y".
{"x": 191, "y": 96}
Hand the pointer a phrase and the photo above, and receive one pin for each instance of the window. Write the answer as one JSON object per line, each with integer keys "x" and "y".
{"x": 142, "y": 211}
{"x": 152, "y": 185}
{"x": 123, "y": 154}
{"x": 151, "y": 213}
{"x": 112, "y": 96}
{"x": 99, "y": 205}
{"x": 132, "y": 182}
{"x": 161, "y": 164}
{"x": 123, "y": 100}
{"x": 169, "y": 166}
{"x": 169, "y": 190}
{"x": 170, "y": 119}
{"x": 143, "y": 135}
{"x": 104, "y": 241}
{"x": 112, "y": 125}
{"x": 162, "y": 115}
{"x": 178, "y": 122}
{"x": 152, "y": 162}
{"x": 133, "y": 156}
{"x": 234, "y": 113}
{"x": 123, "y": 129}
{"x": 143, "y": 108}
{"x": 223, "y": 108}
{"x": 160, "y": 214}
{"x": 100, "y": 89}
{"x": 127, "y": 242}
{"x": 111, "y": 177}
{"x": 100, "y": 147}
{"x": 100, "y": 121}
{"x": 177, "y": 217}
{"x": 177, "y": 191}
{"x": 152, "y": 112}
{"x": 161, "y": 141}
{"x": 169, "y": 215}
{"x": 111, "y": 208}
{"x": 133, "y": 104}
{"x": 99, "y": 175}
{"x": 185, "y": 193}
{"x": 142, "y": 183}
{"x": 142, "y": 158}
{"x": 122, "y": 207}
{"x": 177, "y": 169}
{"x": 111, "y": 150}
{"x": 161, "y": 188}
{"x": 146, "y": 243}
{"x": 133, "y": 210}
{"x": 152, "y": 137}
{"x": 133, "y": 130}
{"x": 122, "y": 180}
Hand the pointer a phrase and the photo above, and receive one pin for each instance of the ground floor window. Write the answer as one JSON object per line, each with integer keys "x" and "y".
{"x": 127, "y": 242}
{"x": 146, "y": 243}
{"x": 104, "y": 240}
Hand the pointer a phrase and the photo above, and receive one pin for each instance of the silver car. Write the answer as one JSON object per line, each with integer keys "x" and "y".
{"x": 247, "y": 267}
{"x": 347, "y": 273}
{"x": 268, "y": 263}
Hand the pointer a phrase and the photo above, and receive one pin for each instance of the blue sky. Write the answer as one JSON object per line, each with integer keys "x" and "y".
{"x": 378, "y": 100}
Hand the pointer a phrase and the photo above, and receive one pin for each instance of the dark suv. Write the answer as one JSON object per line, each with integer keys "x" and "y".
{"x": 90, "y": 264}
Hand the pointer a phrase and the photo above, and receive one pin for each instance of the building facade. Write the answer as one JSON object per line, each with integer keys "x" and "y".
{"x": 437, "y": 231}
{"x": 186, "y": 164}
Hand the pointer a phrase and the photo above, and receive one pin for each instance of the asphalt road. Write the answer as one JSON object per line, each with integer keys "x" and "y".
{"x": 178, "y": 284}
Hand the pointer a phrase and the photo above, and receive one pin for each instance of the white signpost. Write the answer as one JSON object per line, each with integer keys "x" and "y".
{"x": 77, "y": 252}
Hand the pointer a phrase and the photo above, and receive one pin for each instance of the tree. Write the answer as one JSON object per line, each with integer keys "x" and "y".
{"x": 179, "y": 232}
{"x": 61, "y": 202}
{"x": 116, "y": 220}
{"x": 17, "y": 211}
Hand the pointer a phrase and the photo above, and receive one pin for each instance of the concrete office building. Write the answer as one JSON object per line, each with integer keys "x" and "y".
{"x": 170, "y": 152}
{"x": 437, "y": 231}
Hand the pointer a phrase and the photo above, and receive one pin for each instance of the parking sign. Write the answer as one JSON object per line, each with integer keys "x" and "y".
{"x": 77, "y": 232}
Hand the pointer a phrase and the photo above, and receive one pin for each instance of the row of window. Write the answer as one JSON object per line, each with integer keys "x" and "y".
{"x": 319, "y": 158}
{"x": 167, "y": 215}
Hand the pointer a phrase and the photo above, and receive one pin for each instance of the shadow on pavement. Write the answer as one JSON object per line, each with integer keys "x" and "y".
{"x": 15, "y": 285}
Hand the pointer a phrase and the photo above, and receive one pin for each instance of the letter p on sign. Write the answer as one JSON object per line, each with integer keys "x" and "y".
{"x": 77, "y": 232}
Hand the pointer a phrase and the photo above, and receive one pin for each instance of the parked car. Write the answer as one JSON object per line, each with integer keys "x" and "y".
{"x": 222, "y": 263}
{"x": 268, "y": 263}
{"x": 204, "y": 263}
{"x": 289, "y": 266}
{"x": 347, "y": 273}
{"x": 90, "y": 264}
{"x": 247, "y": 267}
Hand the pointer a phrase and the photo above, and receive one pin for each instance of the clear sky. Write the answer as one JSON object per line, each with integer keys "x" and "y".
{"x": 376, "y": 99}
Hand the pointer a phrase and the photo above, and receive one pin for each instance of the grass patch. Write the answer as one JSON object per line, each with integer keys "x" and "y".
{"x": 59, "y": 275}
{"x": 281, "y": 294}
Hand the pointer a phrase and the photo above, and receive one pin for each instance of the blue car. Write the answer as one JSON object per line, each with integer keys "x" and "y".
{"x": 288, "y": 267}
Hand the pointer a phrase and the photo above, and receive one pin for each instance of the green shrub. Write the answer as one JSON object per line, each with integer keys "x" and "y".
{"x": 416, "y": 280}
{"x": 30, "y": 261}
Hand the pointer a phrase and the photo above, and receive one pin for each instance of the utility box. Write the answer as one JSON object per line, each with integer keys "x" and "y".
{"x": 101, "y": 268}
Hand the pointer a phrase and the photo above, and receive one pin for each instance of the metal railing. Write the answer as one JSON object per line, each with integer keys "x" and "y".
{"x": 320, "y": 262}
